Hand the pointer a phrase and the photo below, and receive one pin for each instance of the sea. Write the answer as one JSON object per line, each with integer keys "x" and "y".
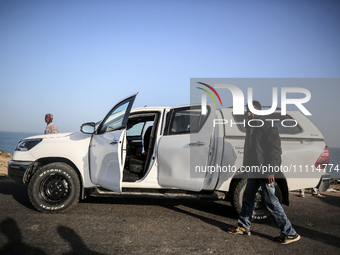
{"x": 9, "y": 141}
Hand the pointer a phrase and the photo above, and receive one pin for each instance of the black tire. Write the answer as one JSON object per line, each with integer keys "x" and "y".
{"x": 54, "y": 188}
{"x": 260, "y": 213}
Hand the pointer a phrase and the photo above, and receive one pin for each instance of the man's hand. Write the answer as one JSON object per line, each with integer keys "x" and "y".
{"x": 270, "y": 178}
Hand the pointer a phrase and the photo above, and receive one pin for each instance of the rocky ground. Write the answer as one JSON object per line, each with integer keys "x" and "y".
{"x": 4, "y": 158}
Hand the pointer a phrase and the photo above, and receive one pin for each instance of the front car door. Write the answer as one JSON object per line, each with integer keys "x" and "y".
{"x": 183, "y": 150}
{"x": 108, "y": 147}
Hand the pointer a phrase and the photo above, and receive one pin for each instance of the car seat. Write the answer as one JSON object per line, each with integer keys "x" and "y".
{"x": 136, "y": 165}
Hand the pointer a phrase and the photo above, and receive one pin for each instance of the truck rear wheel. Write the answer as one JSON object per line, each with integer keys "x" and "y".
{"x": 54, "y": 188}
{"x": 260, "y": 213}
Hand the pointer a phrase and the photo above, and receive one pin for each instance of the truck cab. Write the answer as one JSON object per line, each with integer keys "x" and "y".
{"x": 156, "y": 150}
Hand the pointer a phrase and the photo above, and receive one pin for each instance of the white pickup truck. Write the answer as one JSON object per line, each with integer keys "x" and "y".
{"x": 161, "y": 151}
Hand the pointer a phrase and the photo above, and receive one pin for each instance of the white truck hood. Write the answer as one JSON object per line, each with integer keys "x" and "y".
{"x": 58, "y": 135}
{"x": 65, "y": 145}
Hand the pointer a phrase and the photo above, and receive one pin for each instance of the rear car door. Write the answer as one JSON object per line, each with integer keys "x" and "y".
{"x": 183, "y": 150}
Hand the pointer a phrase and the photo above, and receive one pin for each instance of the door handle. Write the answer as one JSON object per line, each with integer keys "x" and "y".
{"x": 197, "y": 144}
{"x": 114, "y": 141}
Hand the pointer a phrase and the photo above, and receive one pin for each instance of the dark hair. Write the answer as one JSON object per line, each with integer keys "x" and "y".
{"x": 256, "y": 105}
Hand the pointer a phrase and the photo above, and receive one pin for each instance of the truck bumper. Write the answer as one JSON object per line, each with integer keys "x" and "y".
{"x": 324, "y": 183}
{"x": 17, "y": 169}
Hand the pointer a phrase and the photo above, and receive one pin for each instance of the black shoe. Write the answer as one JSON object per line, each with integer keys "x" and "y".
{"x": 239, "y": 231}
{"x": 283, "y": 239}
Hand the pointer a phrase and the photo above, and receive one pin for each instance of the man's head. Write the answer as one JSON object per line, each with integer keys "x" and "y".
{"x": 48, "y": 118}
{"x": 257, "y": 106}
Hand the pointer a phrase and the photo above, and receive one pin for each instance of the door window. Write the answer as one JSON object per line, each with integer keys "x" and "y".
{"x": 135, "y": 130}
{"x": 116, "y": 119}
{"x": 186, "y": 120}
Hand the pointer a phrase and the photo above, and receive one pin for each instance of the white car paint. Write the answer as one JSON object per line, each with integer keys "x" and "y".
{"x": 100, "y": 164}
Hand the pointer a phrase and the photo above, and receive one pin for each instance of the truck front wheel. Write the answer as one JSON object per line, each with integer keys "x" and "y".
{"x": 260, "y": 213}
{"x": 54, "y": 188}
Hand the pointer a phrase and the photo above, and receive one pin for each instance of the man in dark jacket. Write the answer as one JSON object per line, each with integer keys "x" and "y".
{"x": 262, "y": 153}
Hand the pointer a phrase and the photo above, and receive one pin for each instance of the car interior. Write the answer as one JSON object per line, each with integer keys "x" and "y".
{"x": 140, "y": 134}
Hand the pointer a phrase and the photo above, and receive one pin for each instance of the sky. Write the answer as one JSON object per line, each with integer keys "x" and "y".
{"x": 77, "y": 58}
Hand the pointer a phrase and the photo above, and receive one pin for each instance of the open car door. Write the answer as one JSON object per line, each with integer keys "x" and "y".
{"x": 108, "y": 147}
{"x": 184, "y": 148}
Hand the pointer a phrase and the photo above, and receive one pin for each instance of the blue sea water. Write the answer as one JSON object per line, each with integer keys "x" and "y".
{"x": 9, "y": 140}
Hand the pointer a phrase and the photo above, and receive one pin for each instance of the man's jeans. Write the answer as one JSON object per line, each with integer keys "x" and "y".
{"x": 271, "y": 201}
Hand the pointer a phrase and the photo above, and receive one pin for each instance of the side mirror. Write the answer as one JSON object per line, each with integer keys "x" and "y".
{"x": 88, "y": 128}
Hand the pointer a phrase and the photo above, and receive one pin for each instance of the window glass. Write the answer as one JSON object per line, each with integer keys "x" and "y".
{"x": 187, "y": 120}
{"x": 135, "y": 130}
{"x": 115, "y": 119}
{"x": 147, "y": 125}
